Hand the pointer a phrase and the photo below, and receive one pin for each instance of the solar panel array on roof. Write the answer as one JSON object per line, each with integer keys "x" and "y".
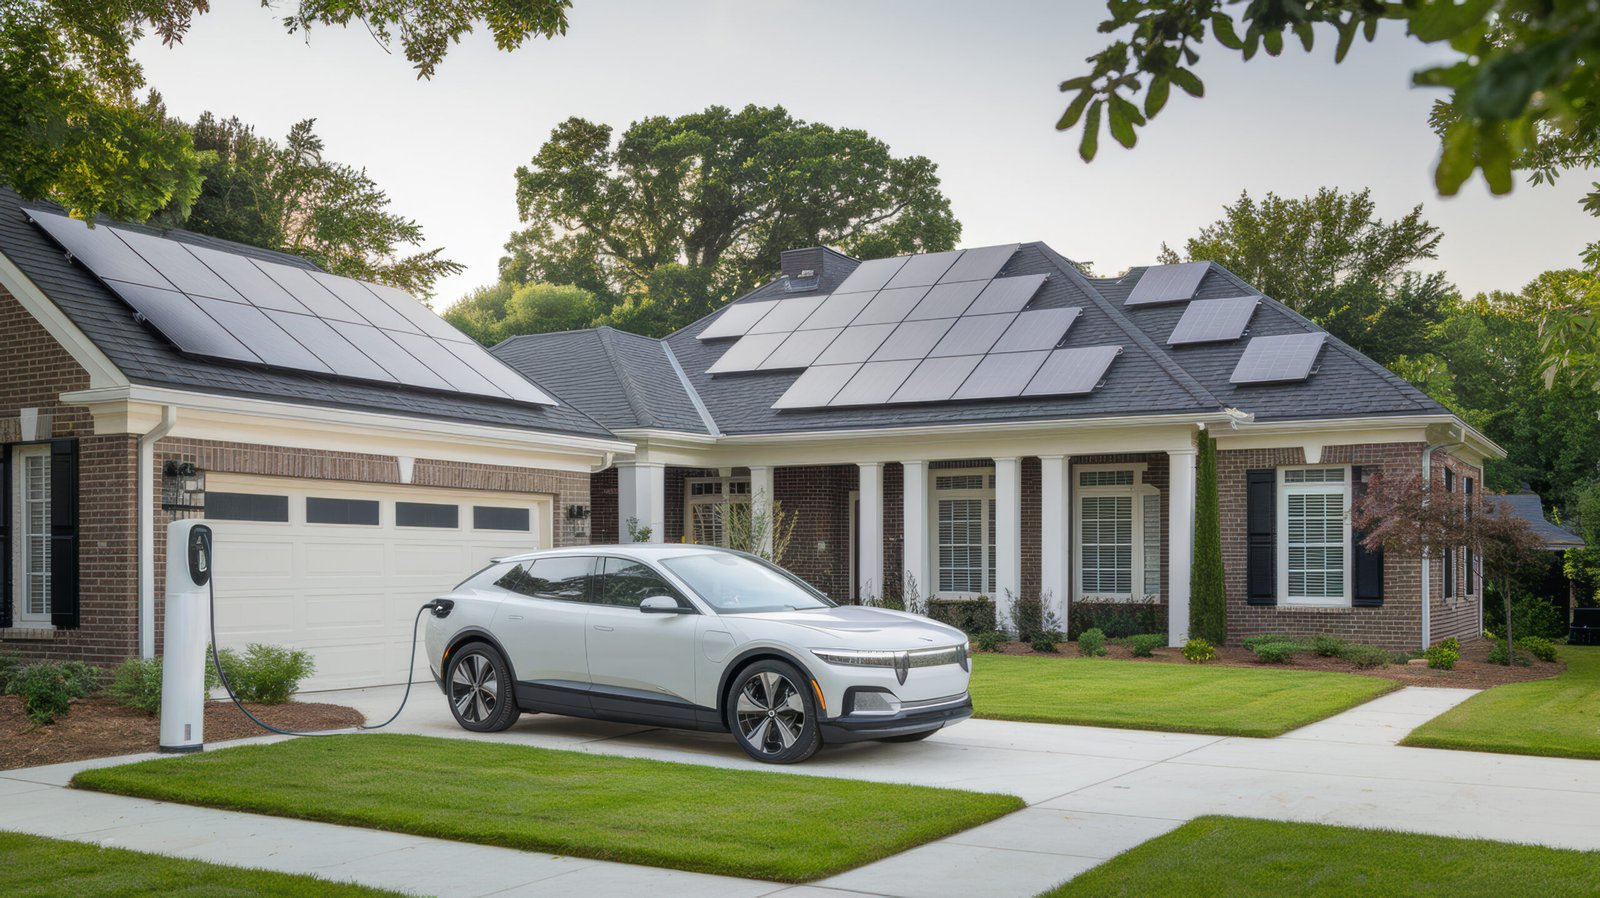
{"x": 1278, "y": 359}
{"x": 1167, "y": 283}
{"x": 229, "y": 306}
{"x": 1214, "y": 320}
{"x": 736, "y": 320}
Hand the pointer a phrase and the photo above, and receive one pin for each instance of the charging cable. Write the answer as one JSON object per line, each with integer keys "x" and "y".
{"x": 216, "y": 659}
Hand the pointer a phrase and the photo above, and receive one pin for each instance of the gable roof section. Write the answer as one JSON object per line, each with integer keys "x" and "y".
{"x": 147, "y": 358}
{"x": 1554, "y": 537}
{"x": 623, "y": 380}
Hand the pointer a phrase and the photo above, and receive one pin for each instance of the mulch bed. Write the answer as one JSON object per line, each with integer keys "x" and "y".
{"x": 99, "y": 728}
{"x": 1473, "y": 671}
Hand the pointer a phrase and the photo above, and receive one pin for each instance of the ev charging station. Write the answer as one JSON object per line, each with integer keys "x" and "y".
{"x": 183, "y": 669}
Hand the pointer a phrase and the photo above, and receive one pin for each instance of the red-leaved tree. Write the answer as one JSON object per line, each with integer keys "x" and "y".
{"x": 1407, "y": 517}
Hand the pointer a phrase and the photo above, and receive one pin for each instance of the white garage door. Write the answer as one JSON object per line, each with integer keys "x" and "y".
{"x": 340, "y": 568}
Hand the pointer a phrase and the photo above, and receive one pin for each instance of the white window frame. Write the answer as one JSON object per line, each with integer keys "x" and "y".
{"x": 723, "y": 495}
{"x": 986, "y": 499}
{"x": 1136, "y": 492}
{"x": 21, "y": 561}
{"x": 1285, "y": 490}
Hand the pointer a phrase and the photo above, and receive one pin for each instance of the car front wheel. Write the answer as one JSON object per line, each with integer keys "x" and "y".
{"x": 773, "y": 713}
{"x": 480, "y": 689}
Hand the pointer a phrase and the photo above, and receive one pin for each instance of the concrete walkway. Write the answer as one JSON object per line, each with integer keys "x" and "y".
{"x": 1092, "y": 793}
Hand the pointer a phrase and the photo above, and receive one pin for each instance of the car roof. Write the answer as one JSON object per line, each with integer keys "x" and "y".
{"x": 640, "y": 551}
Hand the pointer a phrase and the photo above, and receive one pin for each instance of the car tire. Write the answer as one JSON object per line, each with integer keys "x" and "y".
{"x": 479, "y": 688}
{"x": 911, "y": 737}
{"x": 773, "y": 714}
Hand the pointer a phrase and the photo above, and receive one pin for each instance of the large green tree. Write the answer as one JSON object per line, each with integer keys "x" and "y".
{"x": 677, "y": 215}
{"x": 73, "y": 124}
{"x": 288, "y": 196}
{"x": 1331, "y": 258}
{"x": 494, "y": 313}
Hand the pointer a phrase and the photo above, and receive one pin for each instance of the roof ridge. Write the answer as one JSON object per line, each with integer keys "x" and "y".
{"x": 1173, "y": 370}
{"x": 688, "y": 388}
{"x": 641, "y": 411}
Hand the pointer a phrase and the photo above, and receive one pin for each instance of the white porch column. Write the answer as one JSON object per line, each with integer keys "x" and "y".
{"x": 1007, "y": 533}
{"x": 761, "y": 499}
{"x": 869, "y": 531}
{"x": 1055, "y": 532}
{"x": 1180, "y": 542}
{"x": 642, "y": 495}
{"x": 914, "y": 517}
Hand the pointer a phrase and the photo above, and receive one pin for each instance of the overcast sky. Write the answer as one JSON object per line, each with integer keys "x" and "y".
{"x": 971, "y": 86}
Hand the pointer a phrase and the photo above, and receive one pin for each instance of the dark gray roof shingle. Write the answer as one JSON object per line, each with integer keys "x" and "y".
{"x": 623, "y": 380}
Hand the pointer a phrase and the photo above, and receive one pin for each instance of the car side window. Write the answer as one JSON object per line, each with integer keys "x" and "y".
{"x": 565, "y": 578}
{"x": 626, "y": 583}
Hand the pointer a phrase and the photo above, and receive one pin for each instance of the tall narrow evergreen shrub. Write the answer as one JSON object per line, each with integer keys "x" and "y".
{"x": 1208, "y": 597}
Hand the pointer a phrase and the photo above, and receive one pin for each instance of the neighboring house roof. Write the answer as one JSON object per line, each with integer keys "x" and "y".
{"x": 1529, "y": 507}
{"x": 145, "y": 357}
{"x": 622, "y": 380}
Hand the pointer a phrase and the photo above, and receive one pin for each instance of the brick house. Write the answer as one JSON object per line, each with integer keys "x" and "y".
{"x": 341, "y": 497}
{"x": 993, "y": 422}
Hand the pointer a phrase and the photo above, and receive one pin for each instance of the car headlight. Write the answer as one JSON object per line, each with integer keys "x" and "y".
{"x": 858, "y": 657}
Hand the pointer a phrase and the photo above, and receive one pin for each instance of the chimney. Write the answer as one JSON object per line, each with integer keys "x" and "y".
{"x": 803, "y": 264}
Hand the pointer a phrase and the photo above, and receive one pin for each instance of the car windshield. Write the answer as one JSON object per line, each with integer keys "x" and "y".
{"x": 734, "y": 584}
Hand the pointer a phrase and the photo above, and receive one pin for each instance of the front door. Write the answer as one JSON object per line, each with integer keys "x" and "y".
{"x": 641, "y": 665}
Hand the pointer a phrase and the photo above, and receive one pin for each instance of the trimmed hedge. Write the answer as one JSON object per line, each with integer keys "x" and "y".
{"x": 971, "y": 616}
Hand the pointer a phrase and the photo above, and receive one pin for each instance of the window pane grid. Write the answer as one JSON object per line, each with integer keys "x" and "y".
{"x": 961, "y": 545}
{"x": 1106, "y": 529}
{"x": 36, "y": 517}
{"x": 1316, "y": 553}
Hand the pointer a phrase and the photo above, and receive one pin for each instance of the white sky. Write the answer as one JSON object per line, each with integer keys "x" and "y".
{"x": 971, "y": 86}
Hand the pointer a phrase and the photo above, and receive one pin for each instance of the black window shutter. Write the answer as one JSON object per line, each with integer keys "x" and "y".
{"x": 6, "y": 575}
{"x": 1366, "y": 565}
{"x": 1261, "y": 528}
{"x": 64, "y": 534}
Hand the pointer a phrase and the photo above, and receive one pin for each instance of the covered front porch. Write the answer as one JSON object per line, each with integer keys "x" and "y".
{"x": 1077, "y": 519}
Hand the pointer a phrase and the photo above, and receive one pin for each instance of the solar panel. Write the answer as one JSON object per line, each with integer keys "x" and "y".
{"x": 372, "y": 309}
{"x": 980, "y": 264}
{"x": 1213, "y": 320}
{"x": 379, "y": 347}
{"x": 510, "y": 382}
{"x": 936, "y": 380}
{"x": 99, "y": 250}
{"x": 912, "y": 340}
{"x": 787, "y": 315}
{"x": 800, "y": 349}
{"x": 856, "y": 343}
{"x": 250, "y": 326}
{"x": 1001, "y": 376}
{"x": 179, "y": 266}
{"x": 425, "y": 319}
{"x": 973, "y": 335}
{"x": 1006, "y": 295}
{"x": 328, "y": 345}
{"x": 874, "y": 383}
{"x": 181, "y": 321}
{"x": 891, "y": 306}
{"x": 444, "y": 363}
{"x": 747, "y": 354}
{"x": 736, "y": 320}
{"x": 837, "y": 310}
{"x": 1278, "y": 359}
{"x": 1168, "y": 283}
{"x": 302, "y": 286}
{"x": 947, "y": 300}
{"x": 816, "y": 386}
{"x": 1072, "y": 372}
{"x": 871, "y": 275}
{"x": 1037, "y": 329}
{"x": 923, "y": 270}
{"x": 249, "y": 281}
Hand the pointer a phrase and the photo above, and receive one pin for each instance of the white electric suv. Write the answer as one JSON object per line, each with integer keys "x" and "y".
{"x": 691, "y": 637}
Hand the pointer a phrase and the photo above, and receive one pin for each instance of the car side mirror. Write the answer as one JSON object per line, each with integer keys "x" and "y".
{"x": 662, "y": 605}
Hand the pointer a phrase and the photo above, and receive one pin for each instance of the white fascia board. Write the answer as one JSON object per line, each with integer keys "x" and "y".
{"x": 1432, "y": 429}
{"x": 102, "y": 373}
{"x": 137, "y": 408}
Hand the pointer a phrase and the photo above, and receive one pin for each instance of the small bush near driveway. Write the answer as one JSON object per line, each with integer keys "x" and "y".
{"x": 47, "y": 688}
{"x": 1144, "y": 645}
{"x": 266, "y": 674}
{"x": 1199, "y": 651}
{"x": 1275, "y": 652}
{"x": 1091, "y": 643}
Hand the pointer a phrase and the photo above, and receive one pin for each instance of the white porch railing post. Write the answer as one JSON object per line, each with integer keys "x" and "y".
{"x": 1180, "y": 542}
{"x": 869, "y": 531}
{"x": 761, "y": 504}
{"x": 1007, "y": 534}
{"x": 1055, "y": 532}
{"x": 914, "y": 518}
{"x": 641, "y": 495}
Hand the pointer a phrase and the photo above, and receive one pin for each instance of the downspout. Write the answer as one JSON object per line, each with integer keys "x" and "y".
{"x": 146, "y": 527}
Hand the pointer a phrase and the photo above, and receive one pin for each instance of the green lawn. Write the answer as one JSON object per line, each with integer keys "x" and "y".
{"x": 1147, "y": 695}
{"x": 1227, "y": 857}
{"x": 1559, "y": 717}
{"x": 51, "y": 868}
{"x": 767, "y": 825}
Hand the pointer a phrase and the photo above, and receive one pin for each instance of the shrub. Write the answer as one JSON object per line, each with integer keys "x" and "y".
{"x": 1538, "y": 647}
{"x": 1144, "y": 645}
{"x": 1044, "y": 642}
{"x": 1208, "y": 593}
{"x": 1275, "y": 652}
{"x": 989, "y": 641}
{"x": 1117, "y": 619}
{"x": 1091, "y": 643}
{"x": 970, "y": 616}
{"x": 1443, "y": 656}
{"x": 1327, "y": 646}
{"x": 1250, "y": 642}
{"x": 1035, "y": 622}
{"x": 9, "y": 664}
{"x": 47, "y": 688}
{"x": 1498, "y": 654}
{"x": 1530, "y": 616}
{"x": 1366, "y": 656}
{"x": 267, "y": 674}
{"x": 136, "y": 682}
{"x": 1199, "y": 651}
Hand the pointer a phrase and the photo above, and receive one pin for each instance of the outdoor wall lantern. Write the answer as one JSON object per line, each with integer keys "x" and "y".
{"x": 183, "y": 487}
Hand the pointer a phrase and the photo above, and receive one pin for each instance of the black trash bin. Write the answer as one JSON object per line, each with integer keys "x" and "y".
{"x": 1585, "y": 627}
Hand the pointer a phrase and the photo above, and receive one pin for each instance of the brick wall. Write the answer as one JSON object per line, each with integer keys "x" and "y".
{"x": 1457, "y": 616}
{"x": 603, "y": 515}
{"x": 818, "y": 499}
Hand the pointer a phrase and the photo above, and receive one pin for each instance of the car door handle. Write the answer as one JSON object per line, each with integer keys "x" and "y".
{"x": 604, "y": 627}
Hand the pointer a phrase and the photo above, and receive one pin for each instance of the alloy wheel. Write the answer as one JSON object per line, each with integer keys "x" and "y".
{"x": 474, "y": 688}
{"x": 770, "y": 712}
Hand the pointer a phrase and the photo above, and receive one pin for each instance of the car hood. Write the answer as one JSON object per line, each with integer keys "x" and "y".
{"x": 870, "y": 628}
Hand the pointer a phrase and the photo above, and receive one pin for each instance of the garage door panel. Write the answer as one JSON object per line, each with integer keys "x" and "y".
{"x": 255, "y": 559}
{"x": 345, "y": 559}
{"x": 428, "y": 561}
